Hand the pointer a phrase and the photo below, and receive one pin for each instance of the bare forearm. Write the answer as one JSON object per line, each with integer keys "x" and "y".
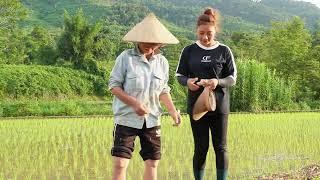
{"x": 123, "y": 96}
{"x": 167, "y": 102}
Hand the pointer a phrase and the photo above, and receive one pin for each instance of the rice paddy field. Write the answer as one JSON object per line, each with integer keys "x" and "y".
{"x": 79, "y": 148}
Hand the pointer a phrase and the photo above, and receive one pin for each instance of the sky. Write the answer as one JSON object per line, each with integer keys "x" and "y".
{"x": 316, "y": 2}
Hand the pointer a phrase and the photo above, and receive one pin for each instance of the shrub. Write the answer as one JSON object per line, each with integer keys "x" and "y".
{"x": 258, "y": 89}
{"x": 33, "y": 82}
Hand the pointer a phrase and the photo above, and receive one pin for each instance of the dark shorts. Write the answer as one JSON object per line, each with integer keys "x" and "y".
{"x": 123, "y": 142}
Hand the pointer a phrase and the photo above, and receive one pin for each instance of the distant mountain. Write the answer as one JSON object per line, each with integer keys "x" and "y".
{"x": 239, "y": 15}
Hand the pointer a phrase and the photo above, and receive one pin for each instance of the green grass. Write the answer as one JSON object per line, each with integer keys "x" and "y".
{"x": 63, "y": 107}
{"x": 80, "y": 148}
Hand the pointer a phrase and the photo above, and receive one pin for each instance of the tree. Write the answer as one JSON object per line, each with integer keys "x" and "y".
{"x": 11, "y": 12}
{"x": 287, "y": 44}
{"x": 248, "y": 45}
{"x": 289, "y": 48}
{"x": 79, "y": 41}
{"x": 316, "y": 35}
{"x": 311, "y": 73}
{"x": 41, "y": 47}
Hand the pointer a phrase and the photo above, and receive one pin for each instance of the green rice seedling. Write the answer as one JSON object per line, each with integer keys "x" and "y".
{"x": 258, "y": 144}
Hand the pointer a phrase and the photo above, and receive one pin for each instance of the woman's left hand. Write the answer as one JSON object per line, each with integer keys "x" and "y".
{"x": 212, "y": 83}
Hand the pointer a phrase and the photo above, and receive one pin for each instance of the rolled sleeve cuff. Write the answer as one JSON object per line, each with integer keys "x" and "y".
{"x": 227, "y": 82}
{"x": 113, "y": 83}
{"x": 166, "y": 90}
{"x": 182, "y": 80}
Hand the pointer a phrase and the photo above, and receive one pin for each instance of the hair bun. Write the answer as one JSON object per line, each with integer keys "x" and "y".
{"x": 209, "y": 11}
{"x": 212, "y": 13}
{"x": 211, "y": 16}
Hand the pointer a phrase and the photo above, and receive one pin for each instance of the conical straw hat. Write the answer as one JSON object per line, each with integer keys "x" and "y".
{"x": 150, "y": 30}
{"x": 205, "y": 102}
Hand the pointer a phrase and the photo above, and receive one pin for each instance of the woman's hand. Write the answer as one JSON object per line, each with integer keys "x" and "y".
{"x": 192, "y": 85}
{"x": 211, "y": 83}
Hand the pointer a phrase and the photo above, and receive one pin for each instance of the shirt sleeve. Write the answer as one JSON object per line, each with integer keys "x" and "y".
{"x": 182, "y": 70}
{"x": 117, "y": 75}
{"x": 230, "y": 69}
{"x": 166, "y": 88}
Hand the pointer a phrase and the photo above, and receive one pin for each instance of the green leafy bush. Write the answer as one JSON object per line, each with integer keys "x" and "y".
{"x": 33, "y": 82}
{"x": 259, "y": 88}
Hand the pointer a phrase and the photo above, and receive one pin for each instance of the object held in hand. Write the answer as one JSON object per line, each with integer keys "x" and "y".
{"x": 205, "y": 102}
{"x": 197, "y": 81}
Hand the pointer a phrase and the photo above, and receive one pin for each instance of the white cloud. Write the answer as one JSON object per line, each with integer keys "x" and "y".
{"x": 316, "y": 2}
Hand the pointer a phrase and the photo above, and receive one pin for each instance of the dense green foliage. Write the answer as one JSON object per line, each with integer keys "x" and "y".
{"x": 259, "y": 89}
{"x": 181, "y": 13}
{"x": 288, "y": 48}
{"x": 79, "y": 43}
{"x": 282, "y": 74}
{"x": 11, "y": 12}
{"x": 19, "y": 81}
{"x": 55, "y": 107}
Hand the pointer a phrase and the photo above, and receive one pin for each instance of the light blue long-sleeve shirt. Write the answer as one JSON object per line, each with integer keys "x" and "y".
{"x": 142, "y": 79}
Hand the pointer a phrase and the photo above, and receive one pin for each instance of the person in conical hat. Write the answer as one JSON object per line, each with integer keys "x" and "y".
{"x": 150, "y": 30}
{"x": 208, "y": 67}
{"x": 139, "y": 82}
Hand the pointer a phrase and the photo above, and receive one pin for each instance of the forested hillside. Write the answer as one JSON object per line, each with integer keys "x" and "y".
{"x": 276, "y": 44}
{"x": 244, "y": 14}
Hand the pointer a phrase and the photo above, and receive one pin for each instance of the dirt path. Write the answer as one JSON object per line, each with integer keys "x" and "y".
{"x": 308, "y": 173}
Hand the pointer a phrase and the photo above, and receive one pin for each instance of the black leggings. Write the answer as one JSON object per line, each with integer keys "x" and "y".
{"x": 218, "y": 124}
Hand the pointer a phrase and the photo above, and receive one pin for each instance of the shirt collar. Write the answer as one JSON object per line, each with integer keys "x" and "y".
{"x": 208, "y": 48}
{"x": 136, "y": 52}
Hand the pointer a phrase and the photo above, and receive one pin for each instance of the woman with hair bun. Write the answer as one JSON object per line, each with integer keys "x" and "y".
{"x": 208, "y": 64}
